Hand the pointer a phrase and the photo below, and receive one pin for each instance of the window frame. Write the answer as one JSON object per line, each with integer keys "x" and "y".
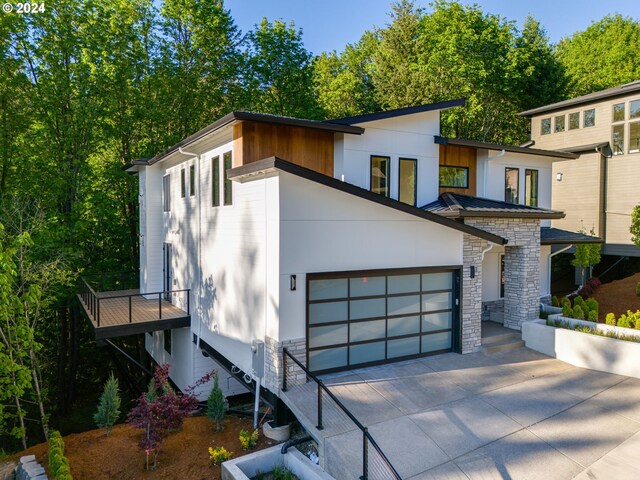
{"x": 613, "y": 112}
{"x": 637, "y": 115}
{"x": 556, "y": 126}
{"x": 636, "y": 150}
{"x": 415, "y": 179}
{"x": 227, "y": 188}
{"x": 621, "y": 128}
{"x": 215, "y": 181}
{"x": 387, "y": 173}
{"x": 527, "y": 173}
{"x": 584, "y": 118}
{"x": 517, "y": 196}
{"x": 459, "y": 167}
{"x": 574, "y": 115}
{"x": 192, "y": 180}
{"x": 542, "y": 126}
{"x": 183, "y": 183}
{"x": 166, "y": 193}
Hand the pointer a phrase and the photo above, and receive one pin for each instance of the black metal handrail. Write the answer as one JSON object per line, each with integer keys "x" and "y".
{"x": 365, "y": 431}
{"x": 92, "y": 299}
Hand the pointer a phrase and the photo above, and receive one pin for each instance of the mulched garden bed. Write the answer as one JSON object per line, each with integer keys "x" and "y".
{"x": 618, "y": 296}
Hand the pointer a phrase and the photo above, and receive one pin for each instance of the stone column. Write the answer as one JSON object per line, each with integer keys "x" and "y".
{"x": 273, "y": 370}
{"x": 472, "y": 293}
{"x": 521, "y": 285}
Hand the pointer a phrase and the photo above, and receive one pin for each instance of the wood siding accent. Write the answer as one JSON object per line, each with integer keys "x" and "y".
{"x": 309, "y": 148}
{"x": 457, "y": 156}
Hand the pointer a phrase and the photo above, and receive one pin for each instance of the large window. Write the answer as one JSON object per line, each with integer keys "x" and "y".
{"x": 228, "y": 188}
{"x": 617, "y": 139}
{"x": 531, "y": 187}
{"x": 215, "y": 181}
{"x": 545, "y": 126}
{"x": 361, "y": 318}
{"x": 574, "y": 120}
{"x": 618, "y": 112}
{"x": 183, "y": 185}
{"x": 380, "y": 175}
{"x": 166, "y": 193}
{"x": 634, "y": 137}
{"x": 408, "y": 169}
{"x": 511, "y": 178}
{"x": 192, "y": 180}
{"x": 560, "y": 123}
{"x": 454, "y": 177}
{"x": 589, "y": 118}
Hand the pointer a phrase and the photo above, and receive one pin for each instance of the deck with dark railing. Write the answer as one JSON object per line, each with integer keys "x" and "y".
{"x": 119, "y": 313}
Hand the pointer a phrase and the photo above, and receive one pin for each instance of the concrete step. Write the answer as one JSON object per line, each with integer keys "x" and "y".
{"x": 501, "y": 338}
{"x": 511, "y": 344}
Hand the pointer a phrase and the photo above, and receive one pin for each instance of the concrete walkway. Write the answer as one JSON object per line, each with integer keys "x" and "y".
{"x": 511, "y": 415}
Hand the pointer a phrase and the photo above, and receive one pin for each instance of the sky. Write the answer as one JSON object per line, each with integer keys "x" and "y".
{"x": 331, "y": 24}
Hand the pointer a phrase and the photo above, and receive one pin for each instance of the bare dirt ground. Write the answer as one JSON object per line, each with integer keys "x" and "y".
{"x": 618, "y": 296}
{"x": 93, "y": 455}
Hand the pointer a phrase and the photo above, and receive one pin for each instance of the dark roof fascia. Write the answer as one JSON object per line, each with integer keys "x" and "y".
{"x": 280, "y": 164}
{"x": 398, "y": 112}
{"x": 508, "y": 148}
{"x": 618, "y": 91}
{"x": 587, "y": 148}
{"x": 584, "y": 239}
{"x": 239, "y": 115}
{"x": 551, "y": 214}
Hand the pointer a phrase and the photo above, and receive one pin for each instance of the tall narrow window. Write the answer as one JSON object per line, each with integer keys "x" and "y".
{"x": 407, "y": 180}
{"x": 215, "y": 181}
{"x": 589, "y": 118}
{"x": 531, "y": 187}
{"x": 511, "y": 185}
{"x": 380, "y": 175}
{"x": 634, "y": 137}
{"x": 228, "y": 192}
{"x": 634, "y": 109}
{"x": 183, "y": 186}
{"x": 545, "y": 126}
{"x": 167, "y": 341}
{"x": 192, "y": 180}
{"x": 574, "y": 120}
{"x": 617, "y": 139}
{"x": 166, "y": 193}
{"x": 618, "y": 112}
{"x": 560, "y": 123}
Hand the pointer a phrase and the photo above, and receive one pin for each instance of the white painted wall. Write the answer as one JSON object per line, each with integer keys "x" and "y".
{"x": 409, "y": 136}
{"x": 325, "y": 230}
{"x": 151, "y": 235}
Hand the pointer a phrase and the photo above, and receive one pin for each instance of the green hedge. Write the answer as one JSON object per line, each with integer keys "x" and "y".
{"x": 58, "y": 464}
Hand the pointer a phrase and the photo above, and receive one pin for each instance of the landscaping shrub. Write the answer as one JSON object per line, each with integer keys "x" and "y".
{"x": 567, "y": 311}
{"x": 578, "y": 301}
{"x": 109, "y": 407}
{"x": 592, "y": 316}
{"x": 566, "y": 301}
{"x": 58, "y": 463}
{"x": 219, "y": 455}
{"x": 624, "y": 322}
{"x": 592, "y": 304}
{"x": 554, "y": 301}
{"x": 638, "y": 289}
{"x": 249, "y": 440}
{"x": 216, "y": 405}
{"x": 578, "y": 312}
{"x": 611, "y": 319}
{"x": 281, "y": 472}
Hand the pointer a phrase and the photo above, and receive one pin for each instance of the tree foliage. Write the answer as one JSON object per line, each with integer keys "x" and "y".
{"x": 634, "y": 228}
{"x": 216, "y": 405}
{"x": 109, "y": 406}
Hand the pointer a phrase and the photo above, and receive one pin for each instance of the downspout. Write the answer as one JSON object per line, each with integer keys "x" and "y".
{"x": 604, "y": 194}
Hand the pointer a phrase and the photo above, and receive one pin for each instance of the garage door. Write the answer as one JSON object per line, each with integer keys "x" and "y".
{"x": 365, "y": 318}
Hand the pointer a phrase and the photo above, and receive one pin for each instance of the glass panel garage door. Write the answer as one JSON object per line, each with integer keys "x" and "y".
{"x": 375, "y": 317}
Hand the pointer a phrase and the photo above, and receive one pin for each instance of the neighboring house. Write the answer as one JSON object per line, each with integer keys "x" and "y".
{"x": 599, "y": 189}
{"x": 352, "y": 242}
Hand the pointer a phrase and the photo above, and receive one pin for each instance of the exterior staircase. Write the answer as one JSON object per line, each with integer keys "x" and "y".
{"x": 497, "y": 338}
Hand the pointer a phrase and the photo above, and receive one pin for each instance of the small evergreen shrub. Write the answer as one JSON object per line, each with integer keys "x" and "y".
{"x": 567, "y": 311}
{"x": 109, "y": 406}
{"x": 566, "y": 301}
{"x": 592, "y": 303}
{"x": 249, "y": 440}
{"x": 280, "y": 472}
{"x": 578, "y": 302}
{"x": 578, "y": 312}
{"x": 216, "y": 405}
{"x": 219, "y": 455}
{"x": 624, "y": 322}
{"x": 58, "y": 463}
{"x": 610, "y": 319}
{"x": 554, "y": 301}
{"x": 592, "y": 316}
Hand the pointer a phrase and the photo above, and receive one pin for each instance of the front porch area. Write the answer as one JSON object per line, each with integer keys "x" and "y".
{"x": 515, "y": 414}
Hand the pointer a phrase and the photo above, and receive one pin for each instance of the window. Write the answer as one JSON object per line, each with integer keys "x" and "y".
{"x": 380, "y": 175}
{"x": 559, "y": 124}
{"x": 192, "y": 180}
{"x": 501, "y": 275}
{"x": 511, "y": 185}
{"x": 228, "y": 192}
{"x": 634, "y": 137}
{"x": 407, "y": 180}
{"x": 545, "y": 126}
{"x": 215, "y": 181}
{"x": 167, "y": 341}
{"x": 531, "y": 187}
{"x": 183, "y": 187}
{"x": 574, "y": 120}
{"x": 589, "y": 118}
{"x": 166, "y": 193}
{"x": 454, "y": 177}
{"x": 634, "y": 109}
{"x": 618, "y": 112}
{"x": 617, "y": 139}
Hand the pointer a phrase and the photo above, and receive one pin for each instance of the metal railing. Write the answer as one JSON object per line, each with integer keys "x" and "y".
{"x": 388, "y": 470}
{"x": 93, "y": 300}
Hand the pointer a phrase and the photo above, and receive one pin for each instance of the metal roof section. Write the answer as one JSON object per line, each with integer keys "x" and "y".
{"x": 508, "y": 148}
{"x": 556, "y": 236}
{"x": 455, "y": 205}
{"x": 602, "y": 147}
{"x": 620, "y": 90}
{"x": 272, "y": 164}
{"x": 398, "y": 112}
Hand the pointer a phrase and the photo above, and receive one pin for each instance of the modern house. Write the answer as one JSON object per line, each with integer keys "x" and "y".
{"x": 351, "y": 242}
{"x": 597, "y": 190}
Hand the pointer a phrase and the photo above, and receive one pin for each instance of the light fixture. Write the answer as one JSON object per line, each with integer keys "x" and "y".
{"x": 472, "y": 271}
{"x": 292, "y": 282}
{"x": 559, "y": 176}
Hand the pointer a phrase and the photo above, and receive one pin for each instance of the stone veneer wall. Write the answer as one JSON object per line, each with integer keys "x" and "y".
{"x": 522, "y": 266}
{"x": 472, "y": 293}
{"x": 273, "y": 362}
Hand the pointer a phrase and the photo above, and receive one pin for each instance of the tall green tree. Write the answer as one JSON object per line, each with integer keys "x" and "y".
{"x": 602, "y": 56}
{"x": 279, "y": 71}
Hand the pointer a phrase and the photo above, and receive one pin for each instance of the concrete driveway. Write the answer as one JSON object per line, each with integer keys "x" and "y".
{"x": 511, "y": 415}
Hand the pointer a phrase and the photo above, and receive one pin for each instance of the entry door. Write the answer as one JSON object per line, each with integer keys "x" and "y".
{"x": 370, "y": 317}
{"x": 166, "y": 269}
